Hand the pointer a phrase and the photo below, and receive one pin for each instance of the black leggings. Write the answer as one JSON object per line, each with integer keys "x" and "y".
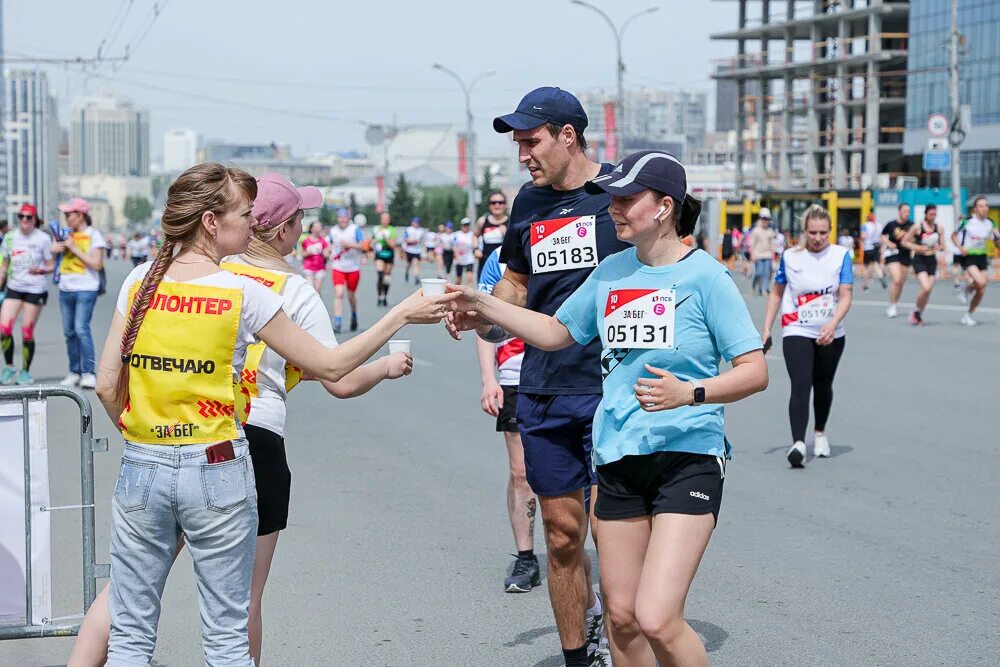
{"x": 810, "y": 366}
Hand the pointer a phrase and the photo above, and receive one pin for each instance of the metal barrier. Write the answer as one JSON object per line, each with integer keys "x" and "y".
{"x": 92, "y": 570}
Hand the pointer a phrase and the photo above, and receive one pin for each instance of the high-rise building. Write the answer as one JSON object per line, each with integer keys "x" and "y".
{"x": 928, "y": 92}
{"x": 3, "y": 111}
{"x": 180, "y": 150}
{"x": 108, "y": 136}
{"x": 669, "y": 119}
{"x": 829, "y": 109}
{"x": 31, "y": 126}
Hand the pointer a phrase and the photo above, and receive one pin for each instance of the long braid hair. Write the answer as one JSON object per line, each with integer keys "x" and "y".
{"x": 205, "y": 187}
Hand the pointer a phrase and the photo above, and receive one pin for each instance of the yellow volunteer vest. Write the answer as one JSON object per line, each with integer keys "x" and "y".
{"x": 71, "y": 263}
{"x": 274, "y": 281}
{"x": 181, "y": 385}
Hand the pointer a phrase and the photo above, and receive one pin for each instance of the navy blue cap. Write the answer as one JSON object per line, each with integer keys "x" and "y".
{"x": 449, "y": 224}
{"x": 544, "y": 105}
{"x": 342, "y": 212}
{"x": 415, "y": 220}
{"x": 644, "y": 170}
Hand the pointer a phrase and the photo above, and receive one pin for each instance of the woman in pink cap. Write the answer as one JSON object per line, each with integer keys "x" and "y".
{"x": 266, "y": 376}
{"x": 79, "y": 284}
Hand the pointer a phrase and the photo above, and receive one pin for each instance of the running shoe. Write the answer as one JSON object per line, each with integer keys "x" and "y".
{"x": 967, "y": 321}
{"x": 8, "y": 377}
{"x": 885, "y": 283}
{"x": 597, "y": 640}
{"x": 71, "y": 380}
{"x": 525, "y": 576}
{"x": 891, "y": 311}
{"x": 337, "y": 325}
{"x": 797, "y": 454}
{"x": 916, "y": 319}
{"x": 821, "y": 446}
{"x": 600, "y": 658}
{"x": 24, "y": 377}
{"x": 354, "y": 321}
{"x": 960, "y": 294}
{"x": 88, "y": 381}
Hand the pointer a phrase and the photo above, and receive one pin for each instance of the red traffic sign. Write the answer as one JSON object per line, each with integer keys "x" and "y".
{"x": 937, "y": 125}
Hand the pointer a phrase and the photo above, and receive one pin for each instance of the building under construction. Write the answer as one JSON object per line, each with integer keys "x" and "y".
{"x": 821, "y": 94}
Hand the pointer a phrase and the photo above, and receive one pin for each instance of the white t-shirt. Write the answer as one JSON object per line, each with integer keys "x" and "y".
{"x": 345, "y": 260}
{"x": 304, "y": 307}
{"x": 138, "y": 247}
{"x": 412, "y": 239}
{"x": 812, "y": 283}
{"x": 259, "y": 305}
{"x": 89, "y": 280}
{"x": 24, "y": 252}
{"x": 430, "y": 240}
{"x": 464, "y": 246}
{"x": 869, "y": 236}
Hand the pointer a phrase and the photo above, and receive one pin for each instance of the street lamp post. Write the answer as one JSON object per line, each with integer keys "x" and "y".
{"x": 470, "y": 180}
{"x": 619, "y": 34}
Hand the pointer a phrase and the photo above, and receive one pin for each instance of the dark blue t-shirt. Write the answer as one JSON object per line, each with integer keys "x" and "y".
{"x": 577, "y": 368}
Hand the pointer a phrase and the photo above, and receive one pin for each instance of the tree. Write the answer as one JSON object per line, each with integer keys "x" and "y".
{"x": 137, "y": 209}
{"x": 352, "y": 203}
{"x": 485, "y": 190}
{"x": 402, "y": 202}
{"x": 327, "y": 215}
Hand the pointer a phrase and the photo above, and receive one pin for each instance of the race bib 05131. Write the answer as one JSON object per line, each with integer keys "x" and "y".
{"x": 564, "y": 243}
{"x": 640, "y": 318}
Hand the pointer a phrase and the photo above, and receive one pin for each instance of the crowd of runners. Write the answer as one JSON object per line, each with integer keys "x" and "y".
{"x": 607, "y": 343}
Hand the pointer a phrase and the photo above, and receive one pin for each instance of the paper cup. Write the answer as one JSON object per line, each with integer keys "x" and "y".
{"x": 399, "y": 346}
{"x": 432, "y": 286}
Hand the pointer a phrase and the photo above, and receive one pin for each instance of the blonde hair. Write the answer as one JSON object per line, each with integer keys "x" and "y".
{"x": 262, "y": 252}
{"x": 205, "y": 187}
{"x": 814, "y": 212}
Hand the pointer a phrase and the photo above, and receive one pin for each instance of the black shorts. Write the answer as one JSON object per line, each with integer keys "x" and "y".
{"x": 39, "y": 299}
{"x": 905, "y": 260}
{"x": 925, "y": 264}
{"x": 507, "y": 419}
{"x": 956, "y": 259}
{"x": 385, "y": 256}
{"x": 462, "y": 268}
{"x": 979, "y": 261}
{"x": 448, "y": 257}
{"x": 871, "y": 256}
{"x": 274, "y": 479}
{"x": 660, "y": 483}
{"x": 411, "y": 256}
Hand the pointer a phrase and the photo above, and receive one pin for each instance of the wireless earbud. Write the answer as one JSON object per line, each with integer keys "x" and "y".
{"x": 663, "y": 209}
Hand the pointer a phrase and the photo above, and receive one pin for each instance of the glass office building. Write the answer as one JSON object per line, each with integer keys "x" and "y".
{"x": 927, "y": 89}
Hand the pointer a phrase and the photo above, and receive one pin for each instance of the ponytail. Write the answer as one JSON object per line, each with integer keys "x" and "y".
{"x": 137, "y": 312}
{"x": 687, "y": 217}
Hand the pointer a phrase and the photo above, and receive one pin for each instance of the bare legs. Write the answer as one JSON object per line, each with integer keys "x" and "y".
{"x": 521, "y": 502}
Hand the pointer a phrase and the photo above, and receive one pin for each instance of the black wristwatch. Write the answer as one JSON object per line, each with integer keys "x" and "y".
{"x": 699, "y": 393}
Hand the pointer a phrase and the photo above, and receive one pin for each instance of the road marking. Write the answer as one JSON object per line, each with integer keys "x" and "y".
{"x": 957, "y": 309}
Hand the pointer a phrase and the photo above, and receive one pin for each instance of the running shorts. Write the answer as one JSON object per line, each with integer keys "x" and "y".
{"x": 274, "y": 479}
{"x": 384, "y": 256}
{"x": 925, "y": 264}
{"x": 448, "y": 257}
{"x": 312, "y": 275}
{"x": 462, "y": 268}
{"x": 871, "y": 256}
{"x": 660, "y": 483}
{"x": 979, "y": 261}
{"x": 507, "y": 419}
{"x": 557, "y": 435}
{"x": 414, "y": 256}
{"x": 350, "y": 278}
{"x": 956, "y": 259}
{"x": 39, "y": 299}
{"x": 905, "y": 261}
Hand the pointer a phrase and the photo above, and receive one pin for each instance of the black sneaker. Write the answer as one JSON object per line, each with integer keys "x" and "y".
{"x": 354, "y": 321}
{"x": 525, "y": 576}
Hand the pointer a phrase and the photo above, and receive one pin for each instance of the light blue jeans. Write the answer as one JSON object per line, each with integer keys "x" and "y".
{"x": 762, "y": 274}
{"x": 77, "y": 309}
{"x": 163, "y": 491}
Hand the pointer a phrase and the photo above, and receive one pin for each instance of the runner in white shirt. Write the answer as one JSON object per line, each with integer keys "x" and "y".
{"x": 346, "y": 241}
{"x": 871, "y": 256}
{"x": 413, "y": 242}
{"x": 465, "y": 258}
{"x": 813, "y": 291}
{"x": 431, "y": 242}
{"x": 970, "y": 238}
{"x": 499, "y": 399}
{"x": 138, "y": 248}
{"x": 27, "y": 262}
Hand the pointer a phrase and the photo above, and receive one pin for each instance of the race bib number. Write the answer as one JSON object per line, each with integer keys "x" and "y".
{"x": 564, "y": 243}
{"x": 816, "y": 308}
{"x": 640, "y": 318}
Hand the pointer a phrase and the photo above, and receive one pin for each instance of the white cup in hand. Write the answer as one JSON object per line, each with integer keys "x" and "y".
{"x": 399, "y": 346}
{"x": 432, "y": 286}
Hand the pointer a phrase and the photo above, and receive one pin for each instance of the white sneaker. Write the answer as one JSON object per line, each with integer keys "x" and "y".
{"x": 88, "y": 381}
{"x": 821, "y": 446}
{"x": 71, "y": 380}
{"x": 797, "y": 454}
{"x": 961, "y": 294}
{"x": 967, "y": 321}
{"x": 890, "y": 312}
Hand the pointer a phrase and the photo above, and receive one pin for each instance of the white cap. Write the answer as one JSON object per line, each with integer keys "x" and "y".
{"x": 764, "y": 213}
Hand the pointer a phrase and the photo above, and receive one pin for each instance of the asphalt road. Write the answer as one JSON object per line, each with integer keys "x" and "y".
{"x": 884, "y": 554}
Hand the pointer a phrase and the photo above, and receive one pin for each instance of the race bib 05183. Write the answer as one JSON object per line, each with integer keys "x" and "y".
{"x": 564, "y": 243}
{"x": 640, "y": 318}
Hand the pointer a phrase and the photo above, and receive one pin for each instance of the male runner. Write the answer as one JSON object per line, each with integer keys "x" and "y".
{"x": 346, "y": 241}
{"x": 871, "y": 251}
{"x": 465, "y": 258}
{"x": 413, "y": 244}
{"x": 384, "y": 245}
{"x": 558, "y": 233}
{"x": 970, "y": 239}
{"x": 898, "y": 256}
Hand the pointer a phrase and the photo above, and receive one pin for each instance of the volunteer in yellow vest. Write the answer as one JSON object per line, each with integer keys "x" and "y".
{"x": 170, "y": 374}
{"x": 79, "y": 283}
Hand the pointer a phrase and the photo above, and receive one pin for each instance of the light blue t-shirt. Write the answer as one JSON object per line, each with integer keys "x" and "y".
{"x": 711, "y": 321}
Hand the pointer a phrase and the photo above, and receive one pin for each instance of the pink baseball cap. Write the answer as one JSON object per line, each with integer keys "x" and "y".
{"x": 278, "y": 199}
{"x": 77, "y": 204}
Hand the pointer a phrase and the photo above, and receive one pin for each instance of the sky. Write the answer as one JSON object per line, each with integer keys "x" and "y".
{"x": 311, "y": 73}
